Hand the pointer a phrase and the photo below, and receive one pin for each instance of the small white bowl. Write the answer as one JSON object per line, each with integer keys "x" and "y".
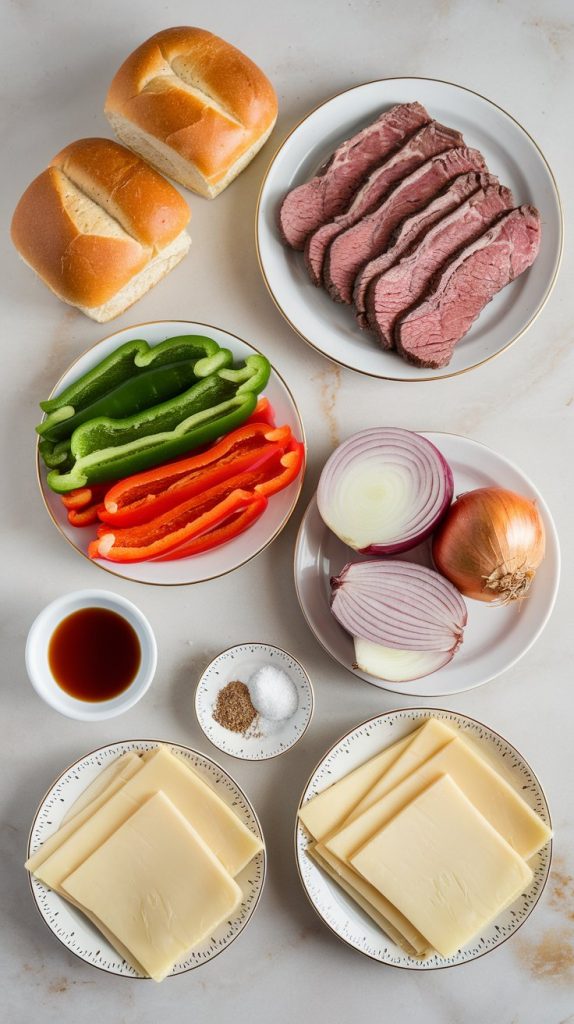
{"x": 38, "y": 668}
{"x": 240, "y": 663}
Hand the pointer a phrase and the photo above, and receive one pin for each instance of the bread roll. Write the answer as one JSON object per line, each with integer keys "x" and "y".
{"x": 100, "y": 227}
{"x": 193, "y": 106}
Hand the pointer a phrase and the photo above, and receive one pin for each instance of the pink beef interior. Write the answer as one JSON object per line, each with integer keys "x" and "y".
{"x": 403, "y": 285}
{"x": 433, "y": 138}
{"x": 427, "y": 335}
{"x": 308, "y": 206}
{"x": 351, "y": 250}
{"x": 408, "y": 235}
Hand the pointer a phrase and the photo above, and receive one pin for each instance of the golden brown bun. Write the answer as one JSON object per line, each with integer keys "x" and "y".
{"x": 93, "y": 223}
{"x": 194, "y": 106}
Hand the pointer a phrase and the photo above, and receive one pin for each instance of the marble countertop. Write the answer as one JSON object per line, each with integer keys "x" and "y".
{"x": 287, "y": 965}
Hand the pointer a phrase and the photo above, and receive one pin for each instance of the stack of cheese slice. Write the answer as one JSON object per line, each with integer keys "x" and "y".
{"x": 428, "y": 838}
{"x": 150, "y": 854}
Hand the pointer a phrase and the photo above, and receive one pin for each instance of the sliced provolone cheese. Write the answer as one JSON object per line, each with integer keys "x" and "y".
{"x": 155, "y": 885}
{"x": 492, "y": 796}
{"x": 328, "y": 809}
{"x": 370, "y": 897}
{"x": 219, "y": 827}
{"x": 99, "y": 796}
{"x": 116, "y": 769}
{"x": 383, "y": 923}
{"x": 428, "y": 740}
{"x": 444, "y": 866}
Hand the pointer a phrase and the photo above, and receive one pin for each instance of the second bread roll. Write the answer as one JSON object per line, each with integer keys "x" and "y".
{"x": 192, "y": 105}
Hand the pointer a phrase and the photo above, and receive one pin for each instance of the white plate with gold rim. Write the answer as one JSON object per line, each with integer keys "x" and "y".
{"x": 510, "y": 153}
{"x": 70, "y": 926}
{"x": 221, "y": 560}
{"x": 495, "y": 638}
{"x": 339, "y": 912}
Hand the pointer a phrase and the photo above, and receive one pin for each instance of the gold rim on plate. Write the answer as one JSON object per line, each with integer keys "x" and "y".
{"x": 428, "y": 711}
{"x": 191, "y": 750}
{"x": 382, "y": 376}
{"x": 205, "y": 579}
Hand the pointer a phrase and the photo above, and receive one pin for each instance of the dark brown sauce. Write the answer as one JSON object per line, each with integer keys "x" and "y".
{"x": 94, "y": 654}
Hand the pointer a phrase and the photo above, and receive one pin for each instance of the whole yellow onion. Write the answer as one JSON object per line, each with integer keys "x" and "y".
{"x": 490, "y": 544}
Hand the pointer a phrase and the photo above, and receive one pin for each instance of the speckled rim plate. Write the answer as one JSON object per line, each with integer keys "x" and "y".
{"x": 340, "y": 913}
{"x": 495, "y": 638}
{"x": 219, "y": 561}
{"x": 240, "y": 662}
{"x": 510, "y": 152}
{"x": 69, "y": 925}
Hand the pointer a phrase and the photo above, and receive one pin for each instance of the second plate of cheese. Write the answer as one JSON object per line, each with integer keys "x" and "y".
{"x": 388, "y": 827}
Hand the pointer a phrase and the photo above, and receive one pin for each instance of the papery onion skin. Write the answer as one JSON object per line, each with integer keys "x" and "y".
{"x": 490, "y": 544}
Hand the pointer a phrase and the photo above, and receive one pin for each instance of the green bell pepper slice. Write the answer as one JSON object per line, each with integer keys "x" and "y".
{"x": 105, "y": 449}
{"x": 134, "y": 377}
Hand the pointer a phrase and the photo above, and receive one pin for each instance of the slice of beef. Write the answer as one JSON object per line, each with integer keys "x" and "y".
{"x": 349, "y": 252}
{"x": 405, "y": 284}
{"x": 428, "y": 141}
{"x": 308, "y": 206}
{"x": 427, "y": 334}
{"x": 410, "y": 232}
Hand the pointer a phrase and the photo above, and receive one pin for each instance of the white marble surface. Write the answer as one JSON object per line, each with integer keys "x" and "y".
{"x": 59, "y": 58}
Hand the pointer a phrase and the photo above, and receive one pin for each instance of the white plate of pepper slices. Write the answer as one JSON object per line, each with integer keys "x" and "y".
{"x": 129, "y": 489}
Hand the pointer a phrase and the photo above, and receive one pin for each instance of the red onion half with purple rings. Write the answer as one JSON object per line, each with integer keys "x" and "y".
{"x": 406, "y": 620}
{"x": 384, "y": 490}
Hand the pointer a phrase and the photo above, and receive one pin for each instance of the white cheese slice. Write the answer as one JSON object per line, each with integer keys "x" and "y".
{"x": 102, "y": 781}
{"x": 155, "y": 885}
{"x": 428, "y": 740}
{"x": 377, "y": 906}
{"x": 444, "y": 866}
{"x": 328, "y": 809}
{"x": 493, "y": 797}
{"x": 229, "y": 839}
{"x": 383, "y": 923}
{"x": 84, "y": 809}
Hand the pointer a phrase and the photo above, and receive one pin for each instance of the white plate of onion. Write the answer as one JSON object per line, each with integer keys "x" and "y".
{"x": 376, "y": 600}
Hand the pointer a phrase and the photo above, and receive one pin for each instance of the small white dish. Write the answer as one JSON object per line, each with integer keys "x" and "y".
{"x": 510, "y": 153}
{"x": 494, "y": 638}
{"x": 217, "y": 561}
{"x": 70, "y": 926}
{"x": 240, "y": 663}
{"x": 38, "y": 668}
{"x": 340, "y": 913}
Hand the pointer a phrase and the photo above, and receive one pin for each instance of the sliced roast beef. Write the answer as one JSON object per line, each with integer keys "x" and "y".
{"x": 427, "y": 334}
{"x": 349, "y": 252}
{"x": 428, "y": 141}
{"x": 400, "y": 287}
{"x": 411, "y": 231}
{"x": 329, "y": 193}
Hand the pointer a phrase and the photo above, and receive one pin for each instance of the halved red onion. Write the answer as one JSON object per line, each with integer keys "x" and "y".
{"x": 384, "y": 490}
{"x": 403, "y": 617}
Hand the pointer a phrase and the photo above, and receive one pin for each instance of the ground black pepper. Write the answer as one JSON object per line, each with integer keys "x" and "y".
{"x": 233, "y": 709}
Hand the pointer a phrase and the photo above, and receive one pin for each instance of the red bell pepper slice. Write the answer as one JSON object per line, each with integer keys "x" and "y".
{"x": 292, "y": 462}
{"x": 84, "y": 516}
{"x": 84, "y": 496}
{"x": 144, "y": 496}
{"x": 237, "y": 523}
{"x": 194, "y": 519}
{"x": 263, "y": 413}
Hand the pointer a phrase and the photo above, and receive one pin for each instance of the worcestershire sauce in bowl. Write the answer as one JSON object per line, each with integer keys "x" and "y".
{"x": 94, "y": 654}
